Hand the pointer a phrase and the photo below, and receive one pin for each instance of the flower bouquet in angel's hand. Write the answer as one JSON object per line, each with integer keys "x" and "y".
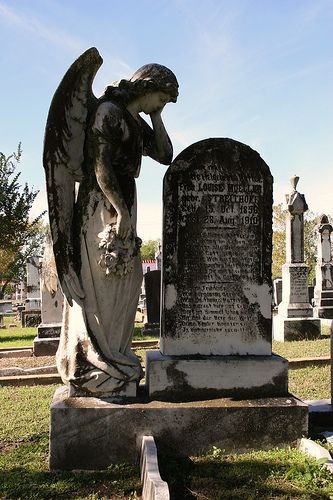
{"x": 117, "y": 253}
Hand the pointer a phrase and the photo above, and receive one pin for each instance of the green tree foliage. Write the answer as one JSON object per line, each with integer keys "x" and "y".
{"x": 279, "y": 240}
{"x": 20, "y": 236}
{"x": 148, "y": 249}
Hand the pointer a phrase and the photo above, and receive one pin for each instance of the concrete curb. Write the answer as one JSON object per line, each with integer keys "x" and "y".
{"x": 38, "y": 370}
{"x": 30, "y": 380}
{"x": 153, "y": 487}
{"x": 317, "y": 451}
{"x": 304, "y": 362}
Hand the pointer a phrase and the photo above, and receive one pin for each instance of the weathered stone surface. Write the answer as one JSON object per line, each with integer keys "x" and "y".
{"x": 323, "y": 293}
{"x": 217, "y": 228}
{"x": 153, "y": 487}
{"x": 33, "y": 282}
{"x": 50, "y": 330}
{"x": 295, "y": 296}
{"x": 294, "y": 310}
{"x": 172, "y": 378}
{"x": 5, "y": 306}
{"x": 45, "y": 346}
{"x": 153, "y": 300}
{"x": 285, "y": 329}
{"x": 91, "y": 433}
{"x": 30, "y": 317}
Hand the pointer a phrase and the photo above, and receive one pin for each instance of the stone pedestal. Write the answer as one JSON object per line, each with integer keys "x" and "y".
{"x": 47, "y": 341}
{"x": 323, "y": 304}
{"x": 289, "y": 329}
{"x": 91, "y": 433}
{"x": 187, "y": 378}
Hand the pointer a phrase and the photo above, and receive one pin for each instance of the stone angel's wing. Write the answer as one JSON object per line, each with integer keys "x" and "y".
{"x": 63, "y": 158}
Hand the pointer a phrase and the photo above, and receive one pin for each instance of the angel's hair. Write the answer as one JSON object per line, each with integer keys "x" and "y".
{"x": 149, "y": 78}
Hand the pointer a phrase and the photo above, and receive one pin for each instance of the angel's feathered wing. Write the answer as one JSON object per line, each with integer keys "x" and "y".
{"x": 63, "y": 154}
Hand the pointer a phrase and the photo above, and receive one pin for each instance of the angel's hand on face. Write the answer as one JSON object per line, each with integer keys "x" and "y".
{"x": 123, "y": 225}
{"x": 157, "y": 112}
{"x": 71, "y": 287}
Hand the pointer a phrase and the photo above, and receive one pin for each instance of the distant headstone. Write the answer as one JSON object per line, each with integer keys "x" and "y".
{"x": 52, "y": 301}
{"x": 153, "y": 294}
{"x": 216, "y": 276}
{"x": 33, "y": 268}
{"x": 323, "y": 293}
{"x": 6, "y": 306}
{"x": 294, "y": 320}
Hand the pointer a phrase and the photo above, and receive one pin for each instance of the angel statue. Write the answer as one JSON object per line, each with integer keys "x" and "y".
{"x": 92, "y": 155}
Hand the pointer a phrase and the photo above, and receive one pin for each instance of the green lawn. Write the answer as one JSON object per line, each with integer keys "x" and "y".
{"x": 24, "y": 426}
{"x": 23, "y": 337}
{"x": 24, "y": 423}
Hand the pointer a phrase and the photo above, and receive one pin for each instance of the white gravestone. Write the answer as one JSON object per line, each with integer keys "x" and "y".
{"x": 323, "y": 292}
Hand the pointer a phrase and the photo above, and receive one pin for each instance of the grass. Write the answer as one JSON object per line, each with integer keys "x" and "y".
{"x": 303, "y": 348}
{"x": 312, "y": 382}
{"x": 24, "y": 472}
{"x": 24, "y": 422}
{"x": 262, "y": 474}
{"x": 23, "y": 337}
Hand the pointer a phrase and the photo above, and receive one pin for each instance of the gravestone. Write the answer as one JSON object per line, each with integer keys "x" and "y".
{"x": 52, "y": 300}
{"x": 33, "y": 300}
{"x": 153, "y": 292}
{"x": 216, "y": 277}
{"x": 323, "y": 292}
{"x": 294, "y": 320}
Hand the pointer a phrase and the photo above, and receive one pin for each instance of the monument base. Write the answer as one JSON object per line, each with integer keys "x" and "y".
{"x": 49, "y": 330}
{"x": 151, "y": 329}
{"x": 323, "y": 312}
{"x": 179, "y": 378}
{"x": 91, "y": 433}
{"x": 287, "y": 329}
{"x": 45, "y": 346}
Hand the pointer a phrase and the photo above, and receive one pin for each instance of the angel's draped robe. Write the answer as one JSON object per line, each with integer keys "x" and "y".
{"x": 94, "y": 354}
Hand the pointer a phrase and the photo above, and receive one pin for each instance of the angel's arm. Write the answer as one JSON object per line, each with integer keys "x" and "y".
{"x": 157, "y": 143}
{"x": 105, "y": 175}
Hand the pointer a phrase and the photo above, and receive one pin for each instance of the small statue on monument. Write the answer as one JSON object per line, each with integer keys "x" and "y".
{"x": 92, "y": 154}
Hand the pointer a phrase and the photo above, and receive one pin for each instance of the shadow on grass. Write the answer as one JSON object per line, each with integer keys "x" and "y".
{"x": 248, "y": 479}
{"x": 13, "y": 338}
{"x": 24, "y": 474}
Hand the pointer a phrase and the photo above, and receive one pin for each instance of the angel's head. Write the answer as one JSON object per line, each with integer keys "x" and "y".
{"x": 149, "y": 79}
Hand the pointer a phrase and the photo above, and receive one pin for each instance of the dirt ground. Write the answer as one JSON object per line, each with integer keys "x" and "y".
{"x": 31, "y": 362}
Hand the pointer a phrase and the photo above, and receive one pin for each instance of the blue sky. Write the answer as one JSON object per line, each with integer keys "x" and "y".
{"x": 258, "y": 71}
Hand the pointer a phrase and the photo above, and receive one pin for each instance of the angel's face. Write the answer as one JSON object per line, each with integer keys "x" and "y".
{"x": 154, "y": 101}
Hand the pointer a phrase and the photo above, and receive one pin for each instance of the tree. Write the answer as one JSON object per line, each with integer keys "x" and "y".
{"x": 148, "y": 249}
{"x": 279, "y": 241}
{"x": 20, "y": 237}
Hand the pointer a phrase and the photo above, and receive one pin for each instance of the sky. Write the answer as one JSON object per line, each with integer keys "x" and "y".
{"x": 257, "y": 71}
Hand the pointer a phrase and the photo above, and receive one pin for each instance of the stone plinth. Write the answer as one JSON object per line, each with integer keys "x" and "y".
{"x": 288, "y": 329}
{"x": 45, "y": 346}
{"x": 91, "y": 433}
{"x": 186, "y": 378}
